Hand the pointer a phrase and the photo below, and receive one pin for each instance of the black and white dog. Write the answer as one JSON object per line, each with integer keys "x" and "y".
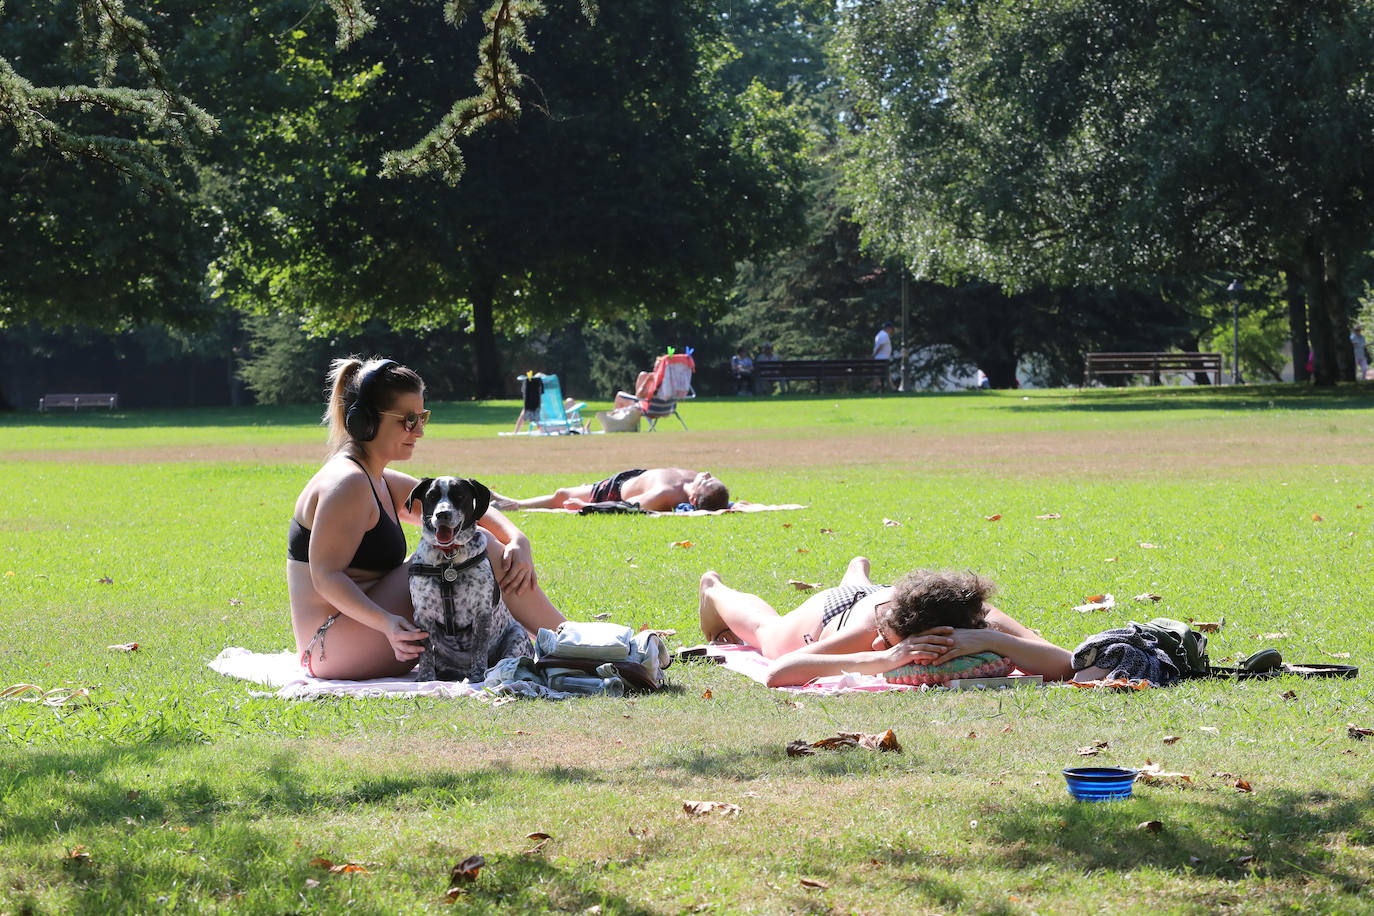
{"x": 453, "y": 587}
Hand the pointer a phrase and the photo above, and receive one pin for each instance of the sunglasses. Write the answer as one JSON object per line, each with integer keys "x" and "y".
{"x": 409, "y": 420}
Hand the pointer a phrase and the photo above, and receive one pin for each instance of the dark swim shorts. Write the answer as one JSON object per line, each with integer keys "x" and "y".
{"x": 608, "y": 490}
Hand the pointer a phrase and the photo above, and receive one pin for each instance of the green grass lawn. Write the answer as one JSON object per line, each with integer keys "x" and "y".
{"x": 175, "y": 789}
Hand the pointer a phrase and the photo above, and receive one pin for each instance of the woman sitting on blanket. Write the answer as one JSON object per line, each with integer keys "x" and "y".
{"x": 927, "y": 618}
{"x": 347, "y": 572}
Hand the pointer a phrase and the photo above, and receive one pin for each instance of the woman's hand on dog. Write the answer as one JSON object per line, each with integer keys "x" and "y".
{"x": 407, "y": 640}
{"x": 517, "y": 567}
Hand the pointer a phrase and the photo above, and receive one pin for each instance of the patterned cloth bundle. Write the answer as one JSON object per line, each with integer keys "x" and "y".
{"x": 984, "y": 664}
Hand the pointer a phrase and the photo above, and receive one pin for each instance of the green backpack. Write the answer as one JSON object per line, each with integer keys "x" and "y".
{"x": 1186, "y": 647}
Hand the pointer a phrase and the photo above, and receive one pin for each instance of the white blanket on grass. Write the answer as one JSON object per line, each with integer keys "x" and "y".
{"x": 283, "y": 671}
{"x": 740, "y": 506}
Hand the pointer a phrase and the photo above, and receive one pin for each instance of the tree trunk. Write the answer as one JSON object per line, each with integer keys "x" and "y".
{"x": 1297, "y": 325}
{"x": 1336, "y": 314}
{"x": 1000, "y": 368}
{"x": 1199, "y": 378}
{"x": 484, "y": 338}
{"x": 1319, "y": 325}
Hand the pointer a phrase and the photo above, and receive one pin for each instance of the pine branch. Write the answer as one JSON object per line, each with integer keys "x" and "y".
{"x": 497, "y": 78}
{"x": 354, "y": 21}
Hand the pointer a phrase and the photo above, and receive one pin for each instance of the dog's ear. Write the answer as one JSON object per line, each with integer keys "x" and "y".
{"x": 481, "y": 499}
{"x": 418, "y": 492}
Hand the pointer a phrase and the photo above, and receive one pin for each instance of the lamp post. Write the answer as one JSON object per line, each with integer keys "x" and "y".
{"x": 1234, "y": 289}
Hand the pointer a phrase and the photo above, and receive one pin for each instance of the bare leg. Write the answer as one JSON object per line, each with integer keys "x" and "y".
{"x": 727, "y": 612}
{"x": 857, "y": 572}
{"x": 554, "y": 500}
{"x": 531, "y": 607}
{"x": 348, "y": 649}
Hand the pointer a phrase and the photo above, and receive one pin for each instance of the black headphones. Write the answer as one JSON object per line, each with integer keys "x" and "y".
{"x": 362, "y": 418}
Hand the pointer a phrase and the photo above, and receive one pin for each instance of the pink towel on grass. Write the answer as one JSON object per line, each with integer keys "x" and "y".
{"x": 748, "y": 661}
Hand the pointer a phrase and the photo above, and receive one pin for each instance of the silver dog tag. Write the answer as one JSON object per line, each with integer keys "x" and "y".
{"x": 450, "y": 575}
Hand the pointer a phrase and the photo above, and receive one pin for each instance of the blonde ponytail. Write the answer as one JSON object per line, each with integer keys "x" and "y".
{"x": 342, "y": 380}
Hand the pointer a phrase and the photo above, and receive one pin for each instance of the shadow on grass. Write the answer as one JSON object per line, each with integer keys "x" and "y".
{"x": 216, "y": 837}
{"x": 445, "y": 412}
{"x": 1287, "y": 833}
{"x": 80, "y": 791}
{"x": 768, "y": 760}
{"x": 1247, "y": 398}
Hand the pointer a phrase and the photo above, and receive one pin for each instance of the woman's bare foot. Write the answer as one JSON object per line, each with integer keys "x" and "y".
{"x": 503, "y": 503}
{"x": 713, "y": 627}
{"x": 857, "y": 572}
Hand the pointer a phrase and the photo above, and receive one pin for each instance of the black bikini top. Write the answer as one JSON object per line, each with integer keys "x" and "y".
{"x": 382, "y": 549}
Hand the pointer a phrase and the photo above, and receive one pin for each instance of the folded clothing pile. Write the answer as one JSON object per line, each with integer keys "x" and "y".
{"x": 589, "y": 659}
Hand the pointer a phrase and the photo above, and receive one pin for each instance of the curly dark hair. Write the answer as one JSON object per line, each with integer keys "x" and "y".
{"x": 928, "y": 598}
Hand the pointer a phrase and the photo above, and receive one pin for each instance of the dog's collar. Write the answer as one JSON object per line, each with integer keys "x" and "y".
{"x": 447, "y": 572}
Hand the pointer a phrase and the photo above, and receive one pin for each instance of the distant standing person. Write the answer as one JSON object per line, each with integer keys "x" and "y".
{"x": 882, "y": 347}
{"x": 1361, "y": 353}
{"x": 742, "y": 371}
{"x": 882, "y": 343}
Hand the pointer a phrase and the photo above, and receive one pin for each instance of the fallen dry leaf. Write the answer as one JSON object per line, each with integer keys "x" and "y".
{"x": 311, "y": 883}
{"x": 706, "y": 694}
{"x": 1092, "y": 750}
{"x": 1242, "y": 785}
{"x": 1242, "y": 860}
{"x": 125, "y": 647}
{"x": 826, "y": 531}
{"x": 803, "y": 550}
{"x": 801, "y": 586}
{"x": 604, "y": 615}
{"x": 892, "y": 523}
{"x": 1357, "y": 732}
{"x": 1206, "y": 627}
{"x": 1109, "y": 560}
{"x": 683, "y": 544}
{"x": 80, "y": 853}
{"x": 105, "y": 580}
{"x": 1148, "y": 546}
{"x": 236, "y": 602}
{"x": 1170, "y": 739}
{"x": 1006, "y": 730}
{"x": 1152, "y": 774}
{"x": 886, "y": 742}
{"x": 540, "y": 841}
{"x": 1096, "y": 603}
{"x": 1289, "y": 694}
{"x": 973, "y": 734}
{"x": 1048, "y": 515}
{"x": 463, "y": 874}
{"x": 1316, "y": 517}
{"x": 342, "y": 868}
{"x": 1146, "y": 596}
{"x": 993, "y": 518}
{"x": 1279, "y": 635}
{"x": 702, "y": 808}
{"x": 1336, "y": 654}
{"x": 787, "y": 524}
{"x": 1150, "y": 826}
{"x": 812, "y": 882}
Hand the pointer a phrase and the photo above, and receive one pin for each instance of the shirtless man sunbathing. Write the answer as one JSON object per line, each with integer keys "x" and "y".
{"x": 655, "y": 490}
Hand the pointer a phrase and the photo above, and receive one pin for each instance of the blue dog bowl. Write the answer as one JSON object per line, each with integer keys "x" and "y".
{"x": 1096, "y": 784}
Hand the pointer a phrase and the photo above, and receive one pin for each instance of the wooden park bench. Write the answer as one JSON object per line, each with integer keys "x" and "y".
{"x": 821, "y": 371}
{"x": 78, "y": 401}
{"x": 1096, "y": 365}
